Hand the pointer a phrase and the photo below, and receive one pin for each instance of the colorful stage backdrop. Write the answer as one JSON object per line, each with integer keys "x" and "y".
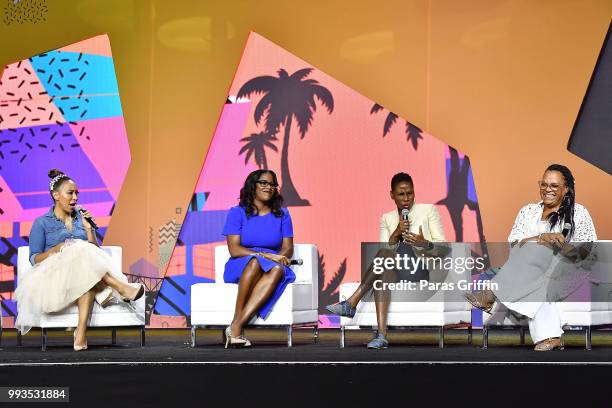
{"x": 335, "y": 152}
{"x": 60, "y": 109}
{"x": 439, "y": 64}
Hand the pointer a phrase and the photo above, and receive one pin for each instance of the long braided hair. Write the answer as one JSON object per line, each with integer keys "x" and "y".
{"x": 565, "y": 213}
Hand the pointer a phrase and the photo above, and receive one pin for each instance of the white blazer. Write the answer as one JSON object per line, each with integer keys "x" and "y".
{"x": 421, "y": 215}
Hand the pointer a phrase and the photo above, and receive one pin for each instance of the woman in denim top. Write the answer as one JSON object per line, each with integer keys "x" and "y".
{"x": 68, "y": 265}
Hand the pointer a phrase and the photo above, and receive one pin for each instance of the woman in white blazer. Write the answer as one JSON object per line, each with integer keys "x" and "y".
{"x": 420, "y": 231}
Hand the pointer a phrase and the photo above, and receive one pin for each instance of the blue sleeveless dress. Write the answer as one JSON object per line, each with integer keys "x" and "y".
{"x": 261, "y": 234}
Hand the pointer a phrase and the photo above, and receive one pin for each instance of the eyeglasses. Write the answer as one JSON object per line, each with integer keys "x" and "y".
{"x": 266, "y": 183}
{"x": 552, "y": 186}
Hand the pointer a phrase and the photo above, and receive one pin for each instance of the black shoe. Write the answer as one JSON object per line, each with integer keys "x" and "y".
{"x": 139, "y": 294}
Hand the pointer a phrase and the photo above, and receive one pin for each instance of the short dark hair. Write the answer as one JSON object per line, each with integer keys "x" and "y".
{"x": 401, "y": 178}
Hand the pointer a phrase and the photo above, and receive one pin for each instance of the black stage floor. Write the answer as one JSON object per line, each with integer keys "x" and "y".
{"x": 167, "y": 372}
{"x": 164, "y": 346}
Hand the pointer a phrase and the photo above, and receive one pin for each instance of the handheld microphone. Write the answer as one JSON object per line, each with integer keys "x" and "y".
{"x": 298, "y": 261}
{"x": 405, "y": 213}
{"x": 566, "y": 229}
{"x": 81, "y": 210}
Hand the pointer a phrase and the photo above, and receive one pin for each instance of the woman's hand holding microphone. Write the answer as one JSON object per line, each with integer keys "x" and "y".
{"x": 401, "y": 232}
{"x": 553, "y": 239}
{"x": 280, "y": 259}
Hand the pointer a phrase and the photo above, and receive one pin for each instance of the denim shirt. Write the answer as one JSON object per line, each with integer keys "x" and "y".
{"x": 49, "y": 231}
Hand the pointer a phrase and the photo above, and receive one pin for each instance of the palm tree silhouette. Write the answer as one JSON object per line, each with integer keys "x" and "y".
{"x": 255, "y": 145}
{"x": 285, "y": 97}
{"x": 457, "y": 196}
{"x": 329, "y": 293}
{"x": 413, "y": 133}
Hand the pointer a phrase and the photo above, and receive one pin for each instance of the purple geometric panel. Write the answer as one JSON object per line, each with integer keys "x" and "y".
{"x": 202, "y": 227}
{"x": 26, "y": 154}
{"x": 44, "y": 199}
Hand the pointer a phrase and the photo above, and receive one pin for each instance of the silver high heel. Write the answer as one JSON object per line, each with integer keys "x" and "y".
{"x": 238, "y": 341}
{"x": 74, "y": 345}
{"x": 104, "y": 297}
{"x": 247, "y": 341}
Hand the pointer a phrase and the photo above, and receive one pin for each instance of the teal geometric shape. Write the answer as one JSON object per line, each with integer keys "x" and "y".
{"x": 82, "y": 86}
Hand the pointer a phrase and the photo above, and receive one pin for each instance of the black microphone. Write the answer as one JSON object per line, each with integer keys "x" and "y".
{"x": 566, "y": 229}
{"x": 298, "y": 261}
{"x": 81, "y": 210}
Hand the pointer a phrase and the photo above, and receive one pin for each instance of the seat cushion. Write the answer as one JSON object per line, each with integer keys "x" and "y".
{"x": 113, "y": 315}
{"x": 409, "y": 319}
{"x": 223, "y": 318}
{"x": 400, "y": 303}
{"x": 219, "y": 297}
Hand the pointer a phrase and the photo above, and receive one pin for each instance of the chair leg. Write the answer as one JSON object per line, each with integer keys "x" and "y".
{"x": 19, "y": 342}
{"x": 522, "y": 335}
{"x": 316, "y": 334}
{"x": 43, "y": 339}
{"x": 192, "y": 341}
{"x": 289, "y": 336}
{"x": 470, "y": 334}
{"x": 485, "y": 337}
{"x": 441, "y": 337}
{"x": 114, "y": 336}
{"x": 142, "y": 336}
{"x": 342, "y": 334}
{"x": 588, "y": 338}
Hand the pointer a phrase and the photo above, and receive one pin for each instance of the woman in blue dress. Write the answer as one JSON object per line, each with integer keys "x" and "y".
{"x": 260, "y": 239}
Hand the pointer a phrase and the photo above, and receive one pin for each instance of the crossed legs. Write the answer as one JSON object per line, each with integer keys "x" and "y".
{"x": 85, "y": 302}
{"x": 254, "y": 289}
{"x": 84, "y": 305}
{"x": 382, "y": 298}
{"x": 125, "y": 290}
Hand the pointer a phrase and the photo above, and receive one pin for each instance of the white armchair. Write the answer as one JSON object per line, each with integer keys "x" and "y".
{"x": 212, "y": 304}
{"x": 113, "y": 315}
{"x": 575, "y": 315}
{"x": 440, "y": 310}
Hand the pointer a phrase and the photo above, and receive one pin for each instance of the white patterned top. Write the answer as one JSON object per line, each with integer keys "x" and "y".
{"x": 528, "y": 224}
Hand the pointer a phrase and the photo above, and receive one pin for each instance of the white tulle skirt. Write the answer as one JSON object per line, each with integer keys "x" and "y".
{"x": 60, "y": 280}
